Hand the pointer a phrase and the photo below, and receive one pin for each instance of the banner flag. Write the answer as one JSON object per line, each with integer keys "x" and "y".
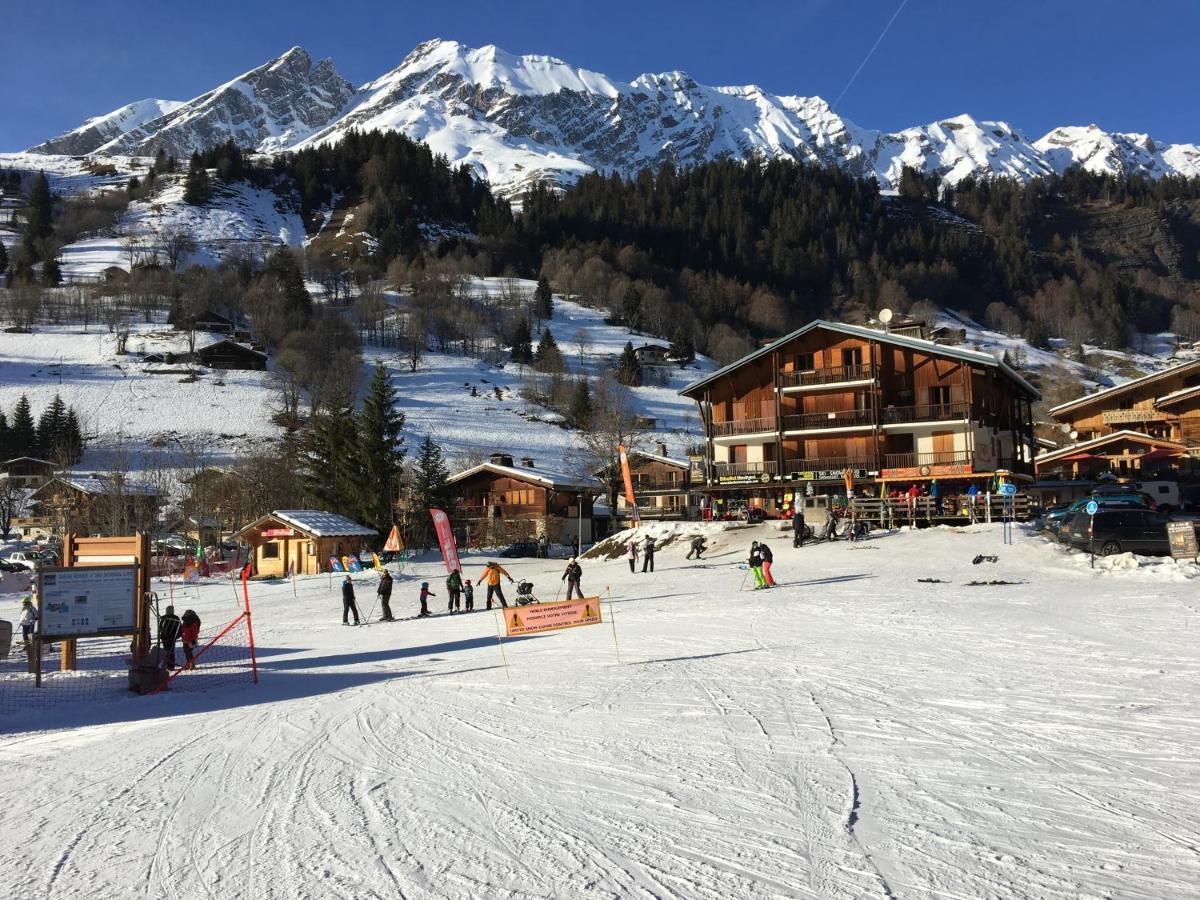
{"x": 628, "y": 479}
{"x": 446, "y": 542}
{"x": 393, "y": 544}
{"x": 538, "y": 617}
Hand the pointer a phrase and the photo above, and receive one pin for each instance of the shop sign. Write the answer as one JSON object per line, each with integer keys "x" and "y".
{"x": 745, "y": 478}
{"x": 945, "y": 471}
{"x": 278, "y": 532}
{"x": 829, "y": 474}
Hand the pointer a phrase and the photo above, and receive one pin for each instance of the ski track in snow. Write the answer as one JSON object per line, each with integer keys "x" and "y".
{"x": 851, "y": 733}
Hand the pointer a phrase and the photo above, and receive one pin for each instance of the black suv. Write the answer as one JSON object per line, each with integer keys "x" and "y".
{"x": 1119, "y": 530}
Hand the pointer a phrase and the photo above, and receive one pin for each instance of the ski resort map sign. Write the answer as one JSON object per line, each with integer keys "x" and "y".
{"x": 87, "y": 601}
{"x": 539, "y": 617}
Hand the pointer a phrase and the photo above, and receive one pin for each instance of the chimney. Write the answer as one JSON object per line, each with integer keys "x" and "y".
{"x": 527, "y": 462}
{"x": 662, "y": 448}
{"x": 501, "y": 459}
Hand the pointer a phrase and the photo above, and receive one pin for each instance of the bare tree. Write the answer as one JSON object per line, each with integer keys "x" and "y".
{"x": 582, "y": 341}
{"x": 614, "y": 425}
{"x": 176, "y": 243}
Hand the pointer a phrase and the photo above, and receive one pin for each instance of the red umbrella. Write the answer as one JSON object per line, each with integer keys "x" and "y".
{"x": 1160, "y": 453}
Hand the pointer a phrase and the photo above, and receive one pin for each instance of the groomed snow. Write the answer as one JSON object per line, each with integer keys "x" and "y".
{"x": 853, "y": 733}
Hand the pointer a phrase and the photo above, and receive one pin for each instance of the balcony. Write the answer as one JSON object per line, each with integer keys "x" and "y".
{"x": 833, "y": 466}
{"x": 815, "y": 378}
{"x": 931, "y": 458}
{"x": 1132, "y": 416}
{"x": 847, "y": 418}
{"x": 745, "y": 471}
{"x": 661, "y": 487}
{"x": 763, "y": 424}
{"x": 932, "y": 412}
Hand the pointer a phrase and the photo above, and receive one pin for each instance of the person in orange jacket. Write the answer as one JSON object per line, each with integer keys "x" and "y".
{"x": 491, "y": 574}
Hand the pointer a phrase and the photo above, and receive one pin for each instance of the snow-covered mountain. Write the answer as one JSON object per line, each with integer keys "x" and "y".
{"x": 96, "y": 134}
{"x": 517, "y": 120}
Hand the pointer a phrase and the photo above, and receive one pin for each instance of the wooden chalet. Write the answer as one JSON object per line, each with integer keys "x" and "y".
{"x": 92, "y": 504}
{"x": 499, "y": 502}
{"x": 831, "y": 401}
{"x": 229, "y": 354}
{"x": 302, "y": 541}
{"x": 661, "y": 486}
{"x": 27, "y": 471}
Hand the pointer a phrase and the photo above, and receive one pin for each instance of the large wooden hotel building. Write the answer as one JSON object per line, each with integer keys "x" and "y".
{"x": 889, "y": 407}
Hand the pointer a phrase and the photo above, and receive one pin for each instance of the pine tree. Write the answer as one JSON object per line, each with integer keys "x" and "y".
{"x": 3, "y": 259}
{"x": 328, "y": 460}
{"x": 580, "y": 412}
{"x": 429, "y": 478}
{"x": 548, "y": 357}
{"x": 72, "y": 438}
{"x": 52, "y": 431}
{"x": 197, "y": 189}
{"x": 283, "y": 267}
{"x": 543, "y": 300}
{"x": 23, "y": 433}
{"x": 5, "y": 438}
{"x": 629, "y": 370}
{"x": 380, "y": 451}
{"x": 522, "y": 342}
{"x": 39, "y": 214}
{"x": 631, "y": 308}
{"x": 682, "y": 350}
{"x": 51, "y": 272}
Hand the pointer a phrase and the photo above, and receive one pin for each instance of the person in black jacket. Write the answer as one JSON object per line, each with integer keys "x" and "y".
{"x": 169, "y": 628}
{"x": 572, "y": 575}
{"x": 798, "y": 528}
{"x": 385, "y": 595}
{"x": 648, "y": 554}
{"x": 698, "y": 545}
{"x": 348, "y": 604}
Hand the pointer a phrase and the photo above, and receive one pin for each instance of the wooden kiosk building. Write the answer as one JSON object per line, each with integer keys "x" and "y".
{"x": 302, "y": 540}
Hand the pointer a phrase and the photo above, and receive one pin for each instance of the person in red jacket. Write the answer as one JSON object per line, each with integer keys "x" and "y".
{"x": 190, "y": 636}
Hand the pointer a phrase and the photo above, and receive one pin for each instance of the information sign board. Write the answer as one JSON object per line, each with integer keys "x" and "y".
{"x": 87, "y": 601}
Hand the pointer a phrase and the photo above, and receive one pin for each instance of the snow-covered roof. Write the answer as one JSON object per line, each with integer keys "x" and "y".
{"x": 1126, "y": 386}
{"x": 534, "y": 474}
{"x": 665, "y": 460}
{"x": 320, "y": 523}
{"x": 32, "y": 459}
{"x": 975, "y": 357}
{"x": 100, "y": 484}
{"x": 1186, "y": 393}
{"x": 1095, "y": 443}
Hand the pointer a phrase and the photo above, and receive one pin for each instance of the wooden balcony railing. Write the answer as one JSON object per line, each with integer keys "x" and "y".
{"x": 847, "y": 418}
{"x": 744, "y": 426}
{"x": 829, "y": 464}
{"x": 1129, "y": 416}
{"x": 930, "y": 458}
{"x": 767, "y": 467}
{"x": 835, "y": 375}
{"x": 931, "y": 412}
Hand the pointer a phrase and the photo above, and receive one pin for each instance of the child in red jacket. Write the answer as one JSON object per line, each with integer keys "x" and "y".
{"x": 190, "y": 635}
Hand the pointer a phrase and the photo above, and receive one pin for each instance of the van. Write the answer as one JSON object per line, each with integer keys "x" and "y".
{"x": 1165, "y": 494}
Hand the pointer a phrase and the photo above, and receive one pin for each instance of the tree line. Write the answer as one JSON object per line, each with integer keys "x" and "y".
{"x": 55, "y": 435}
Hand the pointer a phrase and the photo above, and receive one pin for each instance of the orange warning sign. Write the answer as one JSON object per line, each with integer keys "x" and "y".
{"x": 551, "y": 616}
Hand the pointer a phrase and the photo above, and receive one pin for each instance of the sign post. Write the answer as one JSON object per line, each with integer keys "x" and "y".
{"x": 1090, "y": 509}
{"x": 1182, "y": 537}
{"x": 1008, "y": 490}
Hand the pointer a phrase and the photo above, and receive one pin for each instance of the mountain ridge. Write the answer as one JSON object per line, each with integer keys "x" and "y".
{"x": 516, "y": 120}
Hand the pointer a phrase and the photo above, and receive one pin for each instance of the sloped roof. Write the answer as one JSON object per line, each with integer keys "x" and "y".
{"x": 231, "y": 343}
{"x": 973, "y": 357}
{"x": 1178, "y": 396}
{"x": 33, "y": 459}
{"x": 1115, "y": 390}
{"x": 320, "y": 523}
{"x": 97, "y": 484}
{"x": 535, "y": 474}
{"x": 1095, "y": 443}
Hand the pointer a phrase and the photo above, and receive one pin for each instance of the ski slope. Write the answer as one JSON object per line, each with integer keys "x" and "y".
{"x": 853, "y": 733}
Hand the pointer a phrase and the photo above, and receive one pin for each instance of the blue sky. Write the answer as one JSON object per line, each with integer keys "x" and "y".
{"x": 1125, "y": 66}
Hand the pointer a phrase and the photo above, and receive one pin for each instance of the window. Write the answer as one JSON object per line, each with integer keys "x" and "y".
{"x": 310, "y": 548}
{"x": 939, "y": 395}
{"x": 270, "y": 551}
{"x": 805, "y": 362}
{"x": 852, "y": 356}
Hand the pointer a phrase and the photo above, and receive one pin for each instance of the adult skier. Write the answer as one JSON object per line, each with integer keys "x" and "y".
{"x": 798, "y": 527}
{"x": 764, "y": 553}
{"x": 169, "y": 629}
{"x": 572, "y": 575}
{"x": 698, "y": 547}
{"x": 648, "y": 554}
{"x": 454, "y": 588}
{"x": 385, "y": 596}
{"x": 348, "y": 604}
{"x": 631, "y": 553}
{"x": 756, "y": 562}
{"x": 492, "y": 572}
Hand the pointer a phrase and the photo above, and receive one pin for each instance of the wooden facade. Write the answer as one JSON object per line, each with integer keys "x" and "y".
{"x": 661, "y": 486}
{"x": 91, "y": 505}
{"x": 831, "y": 397}
{"x": 281, "y": 544}
{"x": 27, "y": 472}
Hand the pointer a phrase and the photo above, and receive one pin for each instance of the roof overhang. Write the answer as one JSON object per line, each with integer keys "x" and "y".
{"x": 1097, "y": 443}
{"x": 1118, "y": 389}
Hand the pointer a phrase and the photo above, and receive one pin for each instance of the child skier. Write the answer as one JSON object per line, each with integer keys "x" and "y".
{"x": 191, "y": 636}
{"x": 631, "y": 551}
{"x": 28, "y": 619}
{"x": 468, "y": 596}
{"x": 756, "y": 562}
{"x": 764, "y": 553}
{"x": 425, "y": 595}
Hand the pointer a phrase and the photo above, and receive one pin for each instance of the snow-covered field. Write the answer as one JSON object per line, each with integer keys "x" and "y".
{"x": 853, "y": 733}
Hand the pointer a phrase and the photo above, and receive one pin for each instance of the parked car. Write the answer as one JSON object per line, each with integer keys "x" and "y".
{"x": 1055, "y": 516}
{"x": 6, "y": 566}
{"x": 1121, "y": 530}
{"x": 49, "y": 557}
{"x": 520, "y": 548}
{"x": 26, "y": 560}
{"x": 1062, "y": 530}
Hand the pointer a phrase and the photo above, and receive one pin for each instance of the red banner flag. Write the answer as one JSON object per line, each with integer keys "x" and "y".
{"x": 441, "y": 523}
{"x": 628, "y": 478}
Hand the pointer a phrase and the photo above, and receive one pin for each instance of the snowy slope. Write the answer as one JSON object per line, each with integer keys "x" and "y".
{"x": 518, "y": 120}
{"x": 98, "y": 133}
{"x": 851, "y": 734}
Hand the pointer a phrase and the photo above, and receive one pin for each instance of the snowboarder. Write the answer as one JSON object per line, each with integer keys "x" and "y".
{"x": 425, "y": 595}
{"x": 191, "y": 636}
{"x": 798, "y": 527}
{"x": 385, "y": 596}
{"x": 764, "y": 553}
{"x": 631, "y": 553}
{"x": 648, "y": 554}
{"x": 468, "y": 596}
{"x": 169, "y": 628}
{"x": 756, "y": 566}
{"x": 571, "y": 576}
{"x": 698, "y": 546}
{"x": 348, "y": 604}
{"x": 492, "y": 572}
{"x": 454, "y": 588}
{"x": 28, "y": 619}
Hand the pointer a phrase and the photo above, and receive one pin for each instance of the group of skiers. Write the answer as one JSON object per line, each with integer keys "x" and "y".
{"x": 647, "y": 550}
{"x": 760, "y": 564}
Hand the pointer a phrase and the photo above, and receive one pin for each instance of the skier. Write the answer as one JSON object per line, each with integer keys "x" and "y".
{"x": 425, "y": 595}
{"x": 798, "y": 527}
{"x": 698, "y": 546}
{"x": 169, "y": 628}
{"x": 28, "y": 619}
{"x": 348, "y": 604}
{"x": 571, "y": 576}
{"x": 631, "y": 553}
{"x": 764, "y": 553}
{"x": 492, "y": 572}
{"x": 190, "y": 635}
{"x": 385, "y": 596}
{"x": 468, "y": 596}
{"x": 648, "y": 554}
{"x": 756, "y": 566}
{"x": 454, "y": 587}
